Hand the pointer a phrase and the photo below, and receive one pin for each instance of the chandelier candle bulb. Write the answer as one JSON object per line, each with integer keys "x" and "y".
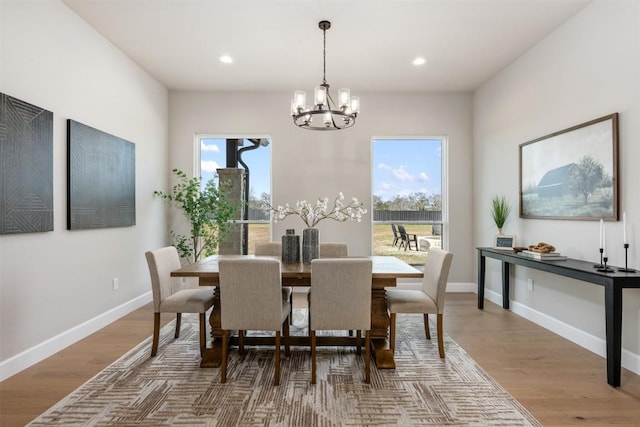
{"x": 299, "y": 99}
{"x": 321, "y": 95}
{"x": 343, "y": 97}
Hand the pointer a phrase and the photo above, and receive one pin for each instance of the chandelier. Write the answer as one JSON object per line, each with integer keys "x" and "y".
{"x": 325, "y": 114}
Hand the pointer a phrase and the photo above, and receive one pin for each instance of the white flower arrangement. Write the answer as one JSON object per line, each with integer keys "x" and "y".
{"x": 311, "y": 215}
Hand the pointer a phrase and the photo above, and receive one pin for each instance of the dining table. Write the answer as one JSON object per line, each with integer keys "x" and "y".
{"x": 386, "y": 271}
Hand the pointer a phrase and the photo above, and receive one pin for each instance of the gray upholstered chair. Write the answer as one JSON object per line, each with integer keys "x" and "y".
{"x": 333, "y": 250}
{"x": 275, "y": 249}
{"x": 341, "y": 300}
{"x": 169, "y": 298}
{"x": 429, "y": 300}
{"x": 251, "y": 299}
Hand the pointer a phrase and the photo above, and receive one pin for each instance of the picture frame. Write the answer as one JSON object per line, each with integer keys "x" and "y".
{"x": 504, "y": 242}
{"x": 572, "y": 174}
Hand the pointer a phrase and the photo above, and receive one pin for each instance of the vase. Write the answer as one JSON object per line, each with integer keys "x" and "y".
{"x": 290, "y": 247}
{"x": 310, "y": 244}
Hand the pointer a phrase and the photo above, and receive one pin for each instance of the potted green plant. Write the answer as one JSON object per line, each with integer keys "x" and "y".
{"x": 500, "y": 211}
{"x": 208, "y": 212}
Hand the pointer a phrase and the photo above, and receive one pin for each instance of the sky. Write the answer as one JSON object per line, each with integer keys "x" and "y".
{"x": 400, "y": 167}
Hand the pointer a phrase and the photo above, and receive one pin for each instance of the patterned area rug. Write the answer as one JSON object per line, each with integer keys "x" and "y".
{"x": 171, "y": 389}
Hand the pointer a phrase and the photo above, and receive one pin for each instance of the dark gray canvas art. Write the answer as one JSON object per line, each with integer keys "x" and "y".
{"x": 101, "y": 179}
{"x": 26, "y": 167}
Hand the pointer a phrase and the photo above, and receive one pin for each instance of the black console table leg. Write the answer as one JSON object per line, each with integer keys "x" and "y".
{"x": 481, "y": 267}
{"x": 613, "y": 315}
{"x": 505, "y": 285}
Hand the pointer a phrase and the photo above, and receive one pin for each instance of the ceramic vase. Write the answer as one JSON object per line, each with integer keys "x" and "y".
{"x": 290, "y": 247}
{"x": 310, "y": 244}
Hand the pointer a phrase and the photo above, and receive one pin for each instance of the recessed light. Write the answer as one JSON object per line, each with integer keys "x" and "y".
{"x": 226, "y": 59}
{"x": 419, "y": 61}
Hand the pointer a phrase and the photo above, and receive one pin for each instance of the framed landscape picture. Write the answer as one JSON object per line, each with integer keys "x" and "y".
{"x": 572, "y": 174}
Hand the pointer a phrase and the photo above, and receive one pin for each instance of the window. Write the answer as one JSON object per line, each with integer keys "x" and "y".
{"x": 252, "y": 154}
{"x": 408, "y": 182}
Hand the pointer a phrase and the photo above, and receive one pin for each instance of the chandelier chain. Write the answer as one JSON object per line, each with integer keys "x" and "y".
{"x": 324, "y": 56}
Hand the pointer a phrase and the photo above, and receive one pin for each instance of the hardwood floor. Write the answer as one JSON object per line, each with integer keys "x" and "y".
{"x": 559, "y": 382}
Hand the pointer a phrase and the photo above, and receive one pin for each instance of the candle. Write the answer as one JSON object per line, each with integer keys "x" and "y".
{"x": 624, "y": 228}
{"x": 601, "y": 227}
{"x": 604, "y": 242}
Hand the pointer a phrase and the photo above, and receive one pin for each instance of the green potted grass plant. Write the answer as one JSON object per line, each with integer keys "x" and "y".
{"x": 500, "y": 210}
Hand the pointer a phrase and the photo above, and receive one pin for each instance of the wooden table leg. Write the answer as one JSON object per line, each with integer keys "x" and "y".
{"x": 382, "y": 354}
{"x": 212, "y": 355}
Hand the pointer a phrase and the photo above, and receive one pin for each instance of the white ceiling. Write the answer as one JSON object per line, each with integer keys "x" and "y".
{"x": 276, "y": 44}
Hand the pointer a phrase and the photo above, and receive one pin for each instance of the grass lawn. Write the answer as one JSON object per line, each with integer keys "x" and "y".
{"x": 382, "y": 239}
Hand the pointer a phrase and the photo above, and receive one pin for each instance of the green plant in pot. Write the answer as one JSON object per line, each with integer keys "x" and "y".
{"x": 208, "y": 212}
{"x": 500, "y": 210}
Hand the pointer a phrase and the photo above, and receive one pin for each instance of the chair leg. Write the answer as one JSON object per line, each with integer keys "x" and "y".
{"x": 440, "y": 338}
{"x": 309, "y": 309}
{"x": 203, "y": 333}
{"x": 287, "y": 346}
{"x": 367, "y": 356}
{"x": 392, "y": 333}
{"x": 241, "y": 343}
{"x": 291, "y": 309}
{"x": 313, "y": 357}
{"x": 156, "y": 334}
{"x": 276, "y": 371}
{"x": 358, "y": 342}
{"x": 225, "y": 350}
{"x": 427, "y": 332}
{"x": 178, "y": 320}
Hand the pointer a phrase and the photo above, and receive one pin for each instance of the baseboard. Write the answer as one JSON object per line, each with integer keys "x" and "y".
{"x": 592, "y": 343}
{"x": 35, "y": 354}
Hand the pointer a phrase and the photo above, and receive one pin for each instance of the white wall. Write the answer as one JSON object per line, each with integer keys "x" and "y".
{"x": 308, "y": 164}
{"x": 55, "y": 287}
{"x": 588, "y": 68}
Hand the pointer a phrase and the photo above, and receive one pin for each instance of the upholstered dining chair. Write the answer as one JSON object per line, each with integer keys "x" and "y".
{"x": 331, "y": 250}
{"x": 429, "y": 300}
{"x": 341, "y": 300}
{"x": 169, "y": 298}
{"x": 273, "y": 249}
{"x": 334, "y": 250}
{"x": 251, "y": 299}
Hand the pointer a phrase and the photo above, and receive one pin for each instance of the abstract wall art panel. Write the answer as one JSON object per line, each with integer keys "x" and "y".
{"x": 26, "y": 167}
{"x": 101, "y": 183}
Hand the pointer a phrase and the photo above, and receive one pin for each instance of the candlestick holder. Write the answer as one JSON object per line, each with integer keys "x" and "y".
{"x": 606, "y": 269}
{"x": 626, "y": 269}
{"x": 599, "y": 265}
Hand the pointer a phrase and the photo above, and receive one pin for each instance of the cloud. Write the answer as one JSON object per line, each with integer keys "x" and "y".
{"x": 212, "y": 147}
{"x": 422, "y": 176}
{"x": 402, "y": 174}
{"x": 384, "y": 167}
{"x": 209, "y": 166}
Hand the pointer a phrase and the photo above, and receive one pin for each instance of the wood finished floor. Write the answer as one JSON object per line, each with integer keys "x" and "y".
{"x": 559, "y": 382}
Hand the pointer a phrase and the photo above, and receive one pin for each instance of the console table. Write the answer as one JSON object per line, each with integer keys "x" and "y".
{"x": 613, "y": 283}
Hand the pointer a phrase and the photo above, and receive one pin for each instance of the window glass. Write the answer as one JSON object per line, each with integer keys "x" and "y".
{"x": 253, "y": 155}
{"x": 407, "y": 195}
